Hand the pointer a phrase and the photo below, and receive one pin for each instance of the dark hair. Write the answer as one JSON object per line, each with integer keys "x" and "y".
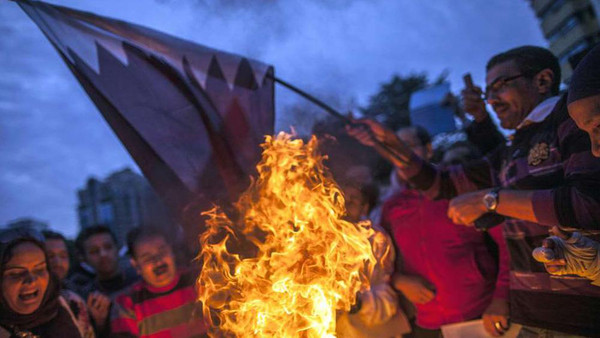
{"x": 138, "y": 234}
{"x": 530, "y": 60}
{"x": 49, "y": 234}
{"x": 10, "y": 238}
{"x": 88, "y": 232}
{"x": 421, "y": 133}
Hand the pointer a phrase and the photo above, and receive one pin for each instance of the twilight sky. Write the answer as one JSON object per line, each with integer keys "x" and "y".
{"x": 52, "y": 138}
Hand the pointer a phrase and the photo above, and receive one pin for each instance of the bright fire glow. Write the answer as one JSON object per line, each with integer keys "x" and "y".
{"x": 288, "y": 261}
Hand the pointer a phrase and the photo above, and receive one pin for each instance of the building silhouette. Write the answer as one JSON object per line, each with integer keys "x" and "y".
{"x": 571, "y": 28}
{"x": 122, "y": 201}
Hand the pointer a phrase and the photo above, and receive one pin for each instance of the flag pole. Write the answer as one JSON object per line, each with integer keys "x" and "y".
{"x": 381, "y": 147}
{"x": 314, "y": 100}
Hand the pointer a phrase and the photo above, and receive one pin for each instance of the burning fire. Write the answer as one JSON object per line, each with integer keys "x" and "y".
{"x": 288, "y": 261}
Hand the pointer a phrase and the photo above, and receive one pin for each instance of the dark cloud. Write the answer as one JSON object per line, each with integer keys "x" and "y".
{"x": 52, "y": 138}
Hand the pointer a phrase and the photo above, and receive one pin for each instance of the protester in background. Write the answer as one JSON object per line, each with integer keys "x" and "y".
{"x": 58, "y": 259}
{"x": 584, "y": 97}
{"x": 545, "y": 177}
{"x": 58, "y": 253}
{"x": 98, "y": 247}
{"x": 448, "y": 272}
{"x": 572, "y": 253}
{"x": 31, "y": 305}
{"x": 378, "y": 312}
{"x": 163, "y": 303}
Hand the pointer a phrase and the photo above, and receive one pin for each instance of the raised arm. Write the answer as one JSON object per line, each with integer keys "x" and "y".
{"x": 435, "y": 182}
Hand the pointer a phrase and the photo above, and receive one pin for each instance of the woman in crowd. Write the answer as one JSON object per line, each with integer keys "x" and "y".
{"x": 30, "y": 305}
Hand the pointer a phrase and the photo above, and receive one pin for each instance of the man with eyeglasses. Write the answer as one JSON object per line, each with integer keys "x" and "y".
{"x": 545, "y": 176}
{"x": 164, "y": 303}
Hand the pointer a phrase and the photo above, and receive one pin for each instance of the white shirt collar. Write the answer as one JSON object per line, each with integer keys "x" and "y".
{"x": 540, "y": 112}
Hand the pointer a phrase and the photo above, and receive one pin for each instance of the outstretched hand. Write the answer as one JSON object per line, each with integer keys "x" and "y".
{"x": 574, "y": 255}
{"x": 465, "y": 209}
{"x": 415, "y": 288}
{"x": 99, "y": 306}
{"x": 382, "y": 139}
{"x": 368, "y": 132}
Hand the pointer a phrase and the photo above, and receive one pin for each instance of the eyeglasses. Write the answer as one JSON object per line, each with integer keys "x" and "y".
{"x": 499, "y": 85}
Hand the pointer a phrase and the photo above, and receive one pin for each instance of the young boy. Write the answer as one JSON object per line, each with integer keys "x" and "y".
{"x": 98, "y": 247}
{"x": 164, "y": 302}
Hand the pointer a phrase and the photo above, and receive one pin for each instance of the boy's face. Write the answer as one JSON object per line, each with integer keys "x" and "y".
{"x": 356, "y": 206}
{"x": 154, "y": 260}
{"x": 102, "y": 254}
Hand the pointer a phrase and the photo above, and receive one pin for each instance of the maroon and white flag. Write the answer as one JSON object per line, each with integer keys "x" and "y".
{"x": 191, "y": 117}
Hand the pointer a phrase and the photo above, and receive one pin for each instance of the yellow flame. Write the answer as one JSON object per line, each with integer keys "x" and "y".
{"x": 288, "y": 261}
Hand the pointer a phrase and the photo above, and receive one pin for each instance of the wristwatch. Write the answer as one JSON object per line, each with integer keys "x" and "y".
{"x": 491, "y": 199}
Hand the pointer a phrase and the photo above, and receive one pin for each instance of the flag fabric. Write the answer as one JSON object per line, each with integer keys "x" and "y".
{"x": 191, "y": 117}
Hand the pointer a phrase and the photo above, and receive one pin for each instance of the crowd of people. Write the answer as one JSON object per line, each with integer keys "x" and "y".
{"x": 536, "y": 265}
{"x": 540, "y": 267}
{"x": 103, "y": 296}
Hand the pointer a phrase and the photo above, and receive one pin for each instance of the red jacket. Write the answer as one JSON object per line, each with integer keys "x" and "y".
{"x": 452, "y": 257}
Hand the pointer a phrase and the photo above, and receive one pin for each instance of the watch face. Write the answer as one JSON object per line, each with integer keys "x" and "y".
{"x": 490, "y": 201}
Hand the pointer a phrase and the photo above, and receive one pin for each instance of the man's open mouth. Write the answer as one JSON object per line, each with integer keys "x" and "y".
{"x": 160, "y": 270}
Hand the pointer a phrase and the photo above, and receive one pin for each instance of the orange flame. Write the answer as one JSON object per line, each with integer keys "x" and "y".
{"x": 289, "y": 260}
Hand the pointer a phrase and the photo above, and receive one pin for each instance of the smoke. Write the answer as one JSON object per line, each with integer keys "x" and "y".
{"x": 339, "y": 50}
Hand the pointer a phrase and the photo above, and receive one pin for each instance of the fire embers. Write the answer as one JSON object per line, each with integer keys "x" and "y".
{"x": 288, "y": 261}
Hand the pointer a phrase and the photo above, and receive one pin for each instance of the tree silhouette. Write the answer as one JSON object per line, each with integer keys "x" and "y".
{"x": 390, "y": 104}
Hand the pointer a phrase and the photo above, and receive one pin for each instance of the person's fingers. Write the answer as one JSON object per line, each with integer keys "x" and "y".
{"x": 100, "y": 307}
{"x": 499, "y": 323}
{"x": 104, "y": 307}
{"x": 555, "y": 267}
{"x": 423, "y": 299}
{"x": 426, "y": 298}
{"x": 503, "y": 320}
{"x": 557, "y": 262}
{"x": 369, "y": 123}
{"x": 415, "y": 298}
{"x": 553, "y": 270}
{"x": 91, "y": 300}
{"x": 102, "y": 302}
{"x": 452, "y": 213}
{"x": 428, "y": 293}
{"x": 472, "y": 96}
{"x": 488, "y": 325}
{"x": 556, "y": 231}
{"x": 457, "y": 220}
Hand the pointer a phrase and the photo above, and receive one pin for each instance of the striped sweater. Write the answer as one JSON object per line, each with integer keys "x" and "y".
{"x": 170, "y": 311}
{"x": 552, "y": 157}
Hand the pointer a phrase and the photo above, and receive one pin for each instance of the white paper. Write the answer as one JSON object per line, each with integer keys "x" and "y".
{"x": 474, "y": 329}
